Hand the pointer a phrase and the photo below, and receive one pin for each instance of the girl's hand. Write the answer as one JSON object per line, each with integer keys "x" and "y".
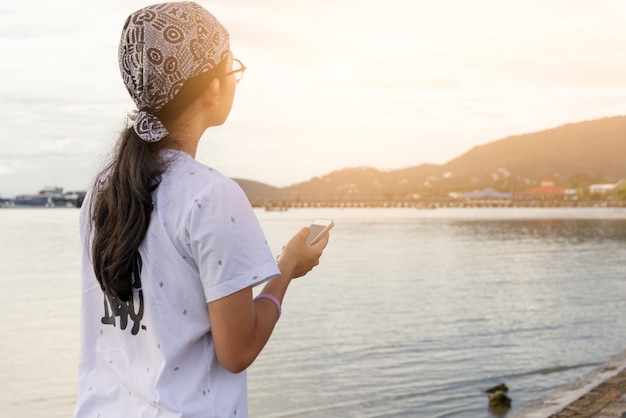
{"x": 298, "y": 258}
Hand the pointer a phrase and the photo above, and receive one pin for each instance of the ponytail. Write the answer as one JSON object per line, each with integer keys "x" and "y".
{"x": 122, "y": 206}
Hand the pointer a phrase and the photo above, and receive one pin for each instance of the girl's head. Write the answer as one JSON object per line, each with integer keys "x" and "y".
{"x": 162, "y": 48}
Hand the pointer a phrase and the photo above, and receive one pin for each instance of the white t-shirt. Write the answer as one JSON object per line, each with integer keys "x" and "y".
{"x": 155, "y": 357}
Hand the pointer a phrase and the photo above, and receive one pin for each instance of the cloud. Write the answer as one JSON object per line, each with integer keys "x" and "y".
{"x": 10, "y": 167}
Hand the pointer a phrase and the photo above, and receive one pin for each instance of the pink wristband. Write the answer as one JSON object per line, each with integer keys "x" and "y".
{"x": 270, "y": 298}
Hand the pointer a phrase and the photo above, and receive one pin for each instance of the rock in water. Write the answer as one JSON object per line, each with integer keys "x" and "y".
{"x": 499, "y": 399}
{"x": 499, "y": 403}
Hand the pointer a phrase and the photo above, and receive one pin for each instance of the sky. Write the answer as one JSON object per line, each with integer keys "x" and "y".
{"x": 330, "y": 84}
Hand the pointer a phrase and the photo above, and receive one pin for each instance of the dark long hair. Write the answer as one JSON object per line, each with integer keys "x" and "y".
{"x": 122, "y": 198}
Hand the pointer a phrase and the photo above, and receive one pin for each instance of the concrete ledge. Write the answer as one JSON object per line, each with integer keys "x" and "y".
{"x": 558, "y": 399}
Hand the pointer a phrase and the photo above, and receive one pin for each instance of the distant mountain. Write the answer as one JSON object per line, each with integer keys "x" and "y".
{"x": 595, "y": 148}
{"x": 574, "y": 155}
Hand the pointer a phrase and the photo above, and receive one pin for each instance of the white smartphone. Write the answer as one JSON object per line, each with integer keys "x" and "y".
{"x": 319, "y": 228}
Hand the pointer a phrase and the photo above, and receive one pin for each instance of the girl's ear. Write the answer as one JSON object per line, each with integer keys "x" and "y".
{"x": 211, "y": 94}
{"x": 214, "y": 86}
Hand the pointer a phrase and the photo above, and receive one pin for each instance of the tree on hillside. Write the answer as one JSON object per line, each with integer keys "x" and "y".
{"x": 620, "y": 193}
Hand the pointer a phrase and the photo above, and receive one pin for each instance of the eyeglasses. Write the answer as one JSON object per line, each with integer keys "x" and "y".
{"x": 237, "y": 69}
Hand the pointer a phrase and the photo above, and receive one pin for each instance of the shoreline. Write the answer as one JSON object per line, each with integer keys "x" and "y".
{"x": 600, "y": 392}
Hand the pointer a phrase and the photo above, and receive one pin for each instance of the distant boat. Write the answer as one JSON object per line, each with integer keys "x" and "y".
{"x": 49, "y": 197}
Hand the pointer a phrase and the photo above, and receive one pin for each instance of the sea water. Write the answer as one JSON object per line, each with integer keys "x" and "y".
{"x": 411, "y": 313}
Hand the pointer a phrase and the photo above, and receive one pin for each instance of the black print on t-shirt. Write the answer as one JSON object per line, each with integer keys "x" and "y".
{"x": 113, "y": 307}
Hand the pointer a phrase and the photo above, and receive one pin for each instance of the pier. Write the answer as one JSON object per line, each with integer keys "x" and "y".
{"x": 435, "y": 203}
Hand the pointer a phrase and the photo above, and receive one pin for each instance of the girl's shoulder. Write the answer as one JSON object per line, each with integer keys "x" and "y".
{"x": 190, "y": 180}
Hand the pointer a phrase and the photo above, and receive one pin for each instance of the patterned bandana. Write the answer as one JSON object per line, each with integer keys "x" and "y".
{"x": 161, "y": 47}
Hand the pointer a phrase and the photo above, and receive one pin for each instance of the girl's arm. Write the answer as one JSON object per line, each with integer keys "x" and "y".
{"x": 241, "y": 326}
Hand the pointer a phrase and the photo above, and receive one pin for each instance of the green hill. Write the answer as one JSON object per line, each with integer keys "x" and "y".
{"x": 575, "y": 155}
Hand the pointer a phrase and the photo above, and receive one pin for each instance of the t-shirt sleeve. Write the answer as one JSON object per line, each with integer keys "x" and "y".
{"x": 227, "y": 242}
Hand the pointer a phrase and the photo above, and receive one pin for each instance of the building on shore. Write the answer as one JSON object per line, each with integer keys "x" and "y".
{"x": 548, "y": 190}
{"x": 487, "y": 193}
{"x": 603, "y": 189}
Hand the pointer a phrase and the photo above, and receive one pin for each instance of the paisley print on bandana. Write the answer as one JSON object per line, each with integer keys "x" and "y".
{"x": 162, "y": 46}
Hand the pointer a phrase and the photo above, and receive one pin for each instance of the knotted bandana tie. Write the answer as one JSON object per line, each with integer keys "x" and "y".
{"x": 149, "y": 127}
